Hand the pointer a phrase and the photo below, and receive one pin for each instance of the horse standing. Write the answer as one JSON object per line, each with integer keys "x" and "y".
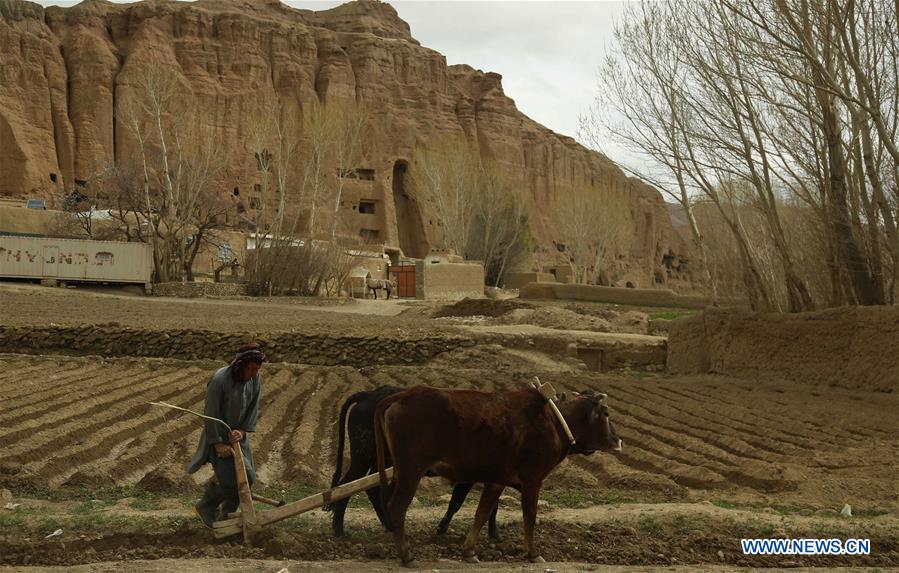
{"x": 373, "y": 285}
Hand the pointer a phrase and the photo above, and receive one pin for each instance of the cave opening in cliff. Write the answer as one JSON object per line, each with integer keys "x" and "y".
{"x": 413, "y": 241}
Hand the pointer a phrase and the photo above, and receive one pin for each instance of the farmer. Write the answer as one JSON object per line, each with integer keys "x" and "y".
{"x": 232, "y": 395}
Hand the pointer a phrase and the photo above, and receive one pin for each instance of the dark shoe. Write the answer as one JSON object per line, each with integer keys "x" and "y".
{"x": 230, "y": 505}
{"x": 207, "y": 508}
{"x": 207, "y": 516}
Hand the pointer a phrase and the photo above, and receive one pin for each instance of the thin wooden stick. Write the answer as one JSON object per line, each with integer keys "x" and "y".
{"x": 194, "y": 413}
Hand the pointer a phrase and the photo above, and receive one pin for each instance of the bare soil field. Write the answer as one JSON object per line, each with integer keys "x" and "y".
{"x": 81, "y": 431}
{"x": 26, "y": 304}
{"x": 75, "y": 422}
{"x": 706, "y": 459}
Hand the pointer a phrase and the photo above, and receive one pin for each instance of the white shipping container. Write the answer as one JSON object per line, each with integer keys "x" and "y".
{"x": 75, "y": 260}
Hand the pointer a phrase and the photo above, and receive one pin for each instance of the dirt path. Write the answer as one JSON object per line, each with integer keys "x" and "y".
{"x": 281, "y": 566}
{"x": 637, "y": 534}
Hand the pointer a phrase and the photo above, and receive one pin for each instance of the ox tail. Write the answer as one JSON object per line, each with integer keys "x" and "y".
{"x": 341, "y": 436}
{"x": 341, "y": 441}
{"x": 380, "y": 445}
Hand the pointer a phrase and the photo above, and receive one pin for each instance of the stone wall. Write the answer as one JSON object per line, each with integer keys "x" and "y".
{"x": 189, "y": 344}
{"x": 851, "y": 347}
{"x": 448, "y": 281}
{"x": 199, "y": 289}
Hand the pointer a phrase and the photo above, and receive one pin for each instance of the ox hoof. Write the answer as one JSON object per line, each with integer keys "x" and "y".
{"x": 411, "y": 564}
{"x": 537, "y": 559}
{"x": 471, "y": 559}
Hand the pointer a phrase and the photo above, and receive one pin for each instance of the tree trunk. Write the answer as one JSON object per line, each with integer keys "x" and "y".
{"x": 856, "y": 266}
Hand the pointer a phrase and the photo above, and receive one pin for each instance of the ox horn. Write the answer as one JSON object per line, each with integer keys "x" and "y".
{"x": 602, "y": 396}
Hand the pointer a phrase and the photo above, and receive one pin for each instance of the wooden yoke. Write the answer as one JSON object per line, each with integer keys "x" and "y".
{"x": 248, "y": 512}
{"x": 549, "y": 394}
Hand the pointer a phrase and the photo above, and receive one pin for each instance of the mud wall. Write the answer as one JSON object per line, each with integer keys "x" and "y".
{"x": 614, "y": 295}
{"x": 518, "y": 280}
{"x": 852, "y": 347}
{"x": 448, "y": 281}
{"x": 189, "y": 344}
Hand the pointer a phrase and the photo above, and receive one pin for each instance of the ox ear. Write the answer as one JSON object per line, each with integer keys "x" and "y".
{"x": 593, "y": 413}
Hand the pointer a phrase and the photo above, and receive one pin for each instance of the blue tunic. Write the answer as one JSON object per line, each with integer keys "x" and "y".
{"x": 237, "y": 403}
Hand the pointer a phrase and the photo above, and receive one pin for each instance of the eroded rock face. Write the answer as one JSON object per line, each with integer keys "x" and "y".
{"x": 63, "y": 71}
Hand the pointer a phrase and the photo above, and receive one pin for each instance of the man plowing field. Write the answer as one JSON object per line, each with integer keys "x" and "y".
{"x": 232, "y": 395}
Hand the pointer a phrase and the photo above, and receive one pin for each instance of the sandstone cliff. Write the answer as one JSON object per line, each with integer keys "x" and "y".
{"x": 63, "y": 69}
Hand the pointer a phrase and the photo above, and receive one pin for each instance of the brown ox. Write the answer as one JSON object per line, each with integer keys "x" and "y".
{"x": 501, "y": 439}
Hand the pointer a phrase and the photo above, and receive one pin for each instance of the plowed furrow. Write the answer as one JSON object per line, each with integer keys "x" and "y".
{"x": 650, "y": 443}
{"x": 637, "y": 418}
{"x": 636, "y": 458}
{"x": 19, "y": 384}
{"x": 325, "y": 438}
{"x": 277, "y": 407}
{"x": 699, "y": 445}
{"x": 595, "y": 464}
{"x": 136, "y": 420}
{"x": 13, "y": 369}
{"x": 304, "y": 435}
{"x": 393, "y": 378}
{"x": 83, "y": 389}
{"x": 82, "y": 425}
{"x": 427, "y": 377}
{"x": 803, "y": 412}
{"x": 277, "y": 428}
{"x": 757, "y": 475}
{"x": 29, "y": 417}
{"x": 97, "y": 406}
{"x": 41, "y": 391}
{"x": 177, "y": 444}
{"x": 381, "y": 378}
{"x": 759, "y": 410}
{"x": 146, "y": 452}
{"x": 780, "y": 445}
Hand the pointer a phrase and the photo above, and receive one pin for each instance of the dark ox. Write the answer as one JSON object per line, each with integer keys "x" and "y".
{"x": 501, "y": 439}
{"x": 357, "y": 419}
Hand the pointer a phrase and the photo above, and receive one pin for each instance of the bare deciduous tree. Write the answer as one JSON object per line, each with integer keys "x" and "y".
{"x": 762, "y": 108}
{"x": 483, "y": 211}
{"x": 181, "y": 161}
{"x": 587, "y": 222}
{"x": 298, "y": 248}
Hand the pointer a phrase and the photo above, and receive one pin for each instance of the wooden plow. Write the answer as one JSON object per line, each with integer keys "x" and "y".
{"x": 249, "y": 521}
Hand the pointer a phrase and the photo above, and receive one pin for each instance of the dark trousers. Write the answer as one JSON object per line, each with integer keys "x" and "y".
{"x": 225, "y": 485}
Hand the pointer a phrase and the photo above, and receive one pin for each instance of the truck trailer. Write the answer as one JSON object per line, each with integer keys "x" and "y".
{"x": 76, "y": 260}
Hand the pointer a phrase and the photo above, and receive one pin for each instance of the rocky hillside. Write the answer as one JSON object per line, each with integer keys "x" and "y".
{"x": 62, "y": 71}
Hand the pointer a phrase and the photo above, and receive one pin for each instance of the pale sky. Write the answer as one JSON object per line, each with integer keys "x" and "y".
{"x": 547, "y": 52}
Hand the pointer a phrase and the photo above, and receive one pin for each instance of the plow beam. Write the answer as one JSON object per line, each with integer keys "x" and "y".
{"x": 258, "y": 519}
